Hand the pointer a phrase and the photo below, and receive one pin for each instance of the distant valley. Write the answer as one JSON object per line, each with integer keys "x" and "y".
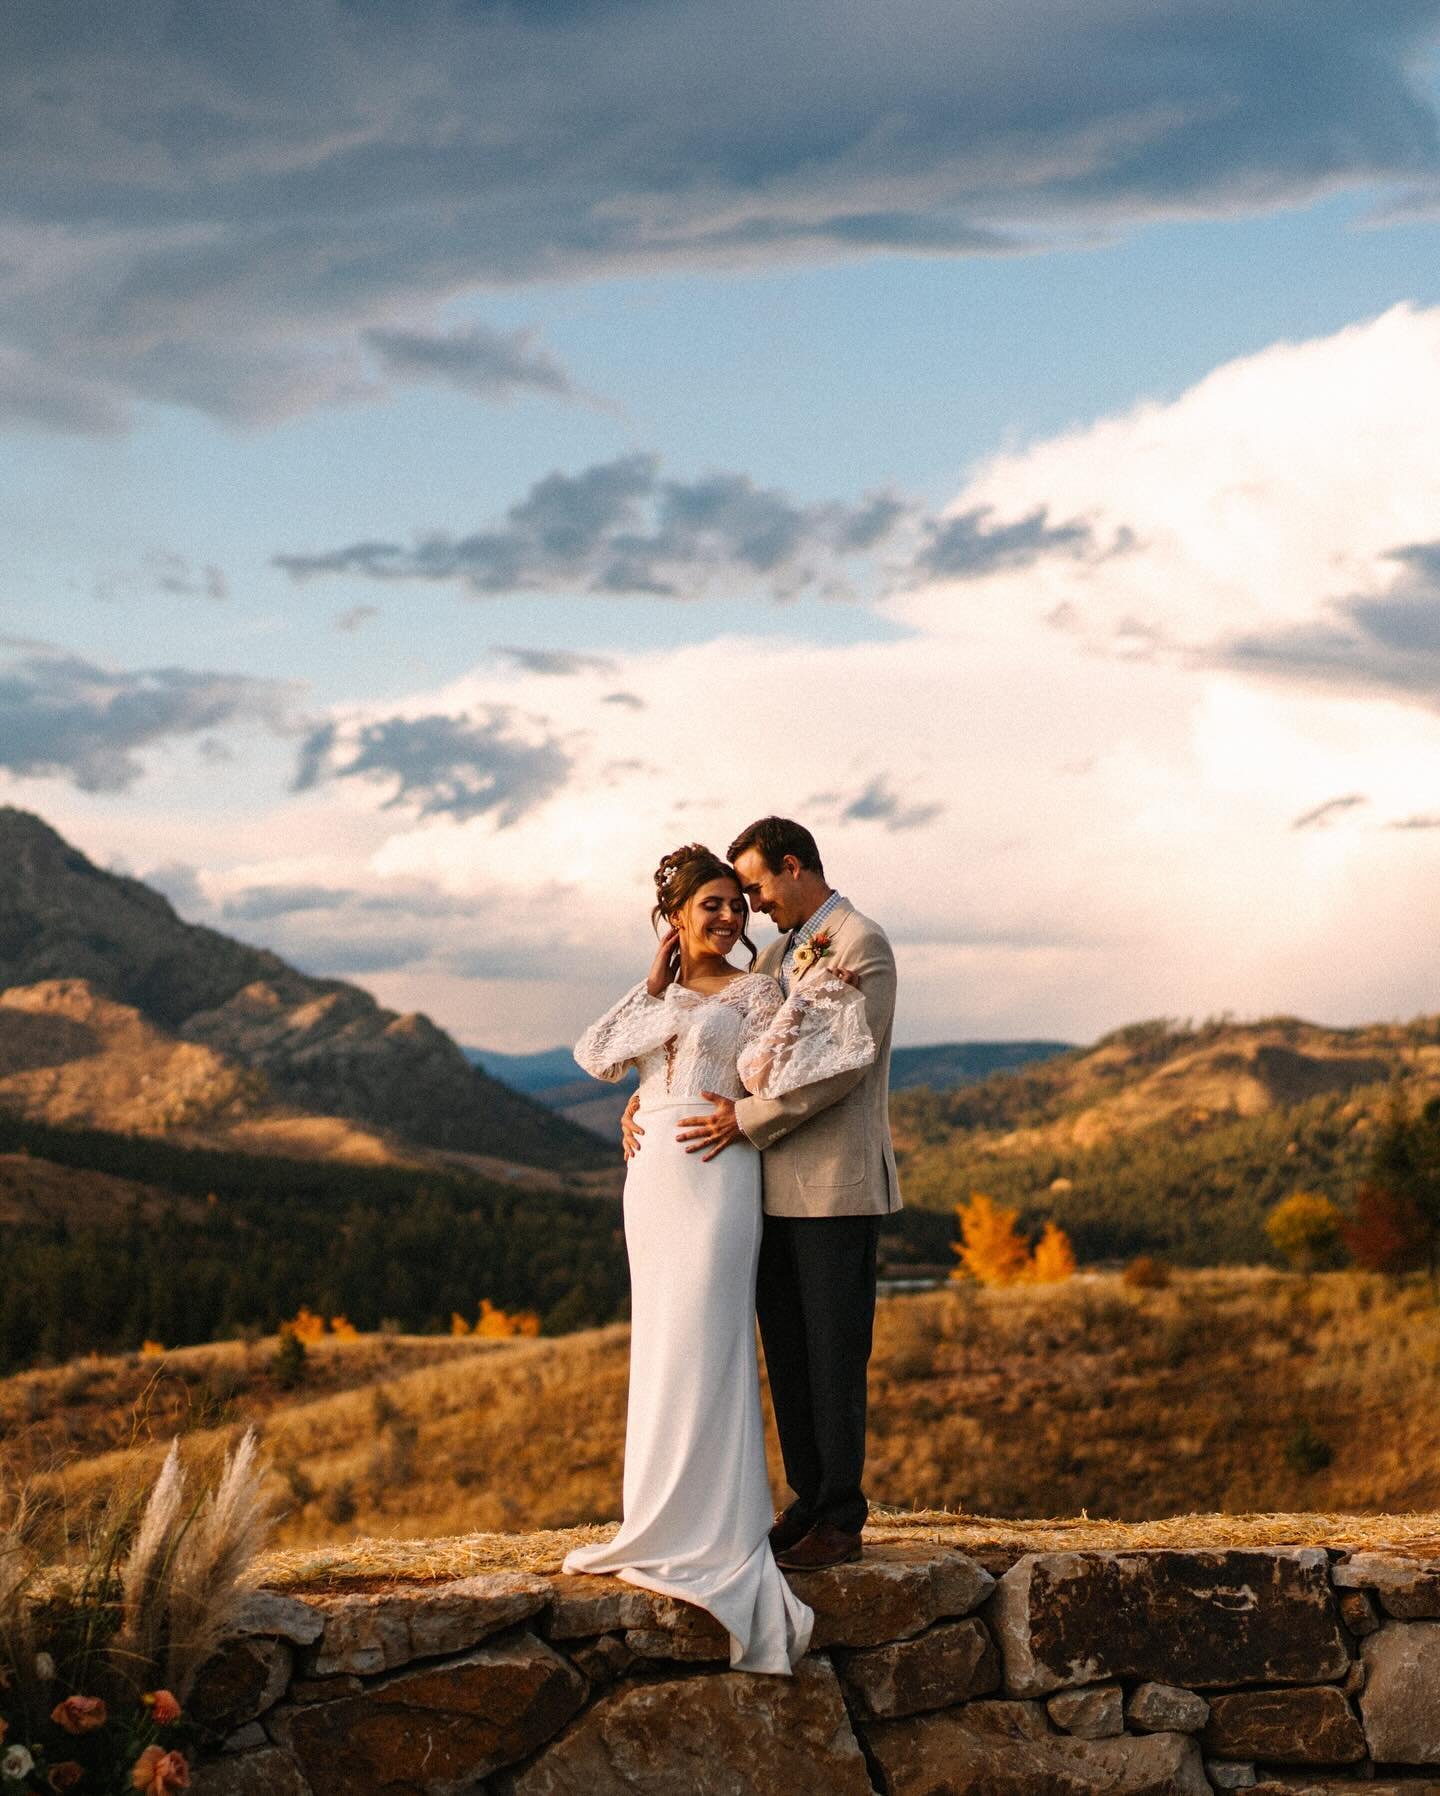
{"x": 171, "y": 1097}
{"x": 552, "y": 1077}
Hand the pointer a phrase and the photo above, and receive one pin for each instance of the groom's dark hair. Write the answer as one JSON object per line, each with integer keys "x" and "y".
{"x": 774, "y": 838}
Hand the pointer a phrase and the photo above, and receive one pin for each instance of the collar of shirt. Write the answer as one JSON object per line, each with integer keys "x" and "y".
{"x": 811, "y": 925}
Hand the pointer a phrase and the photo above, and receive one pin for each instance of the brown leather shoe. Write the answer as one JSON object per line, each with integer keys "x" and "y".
{"x": 824, "y": 1545}
{"x": 788, "y": 1531}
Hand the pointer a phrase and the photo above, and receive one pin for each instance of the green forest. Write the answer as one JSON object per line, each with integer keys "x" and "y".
{"x": 378, "y": 1245}
{"x": 382, "y": 1246}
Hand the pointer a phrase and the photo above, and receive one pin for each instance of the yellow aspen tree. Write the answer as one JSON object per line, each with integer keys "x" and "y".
{"x": 990, "y": 1247}
{"x": 1054, "y": 1259}
{"x": 305, "y": 1325}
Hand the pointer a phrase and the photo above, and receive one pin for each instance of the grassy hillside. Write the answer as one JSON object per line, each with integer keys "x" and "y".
{"x": 1231, "y": 1391}
{"x": 1168, "y": 1140}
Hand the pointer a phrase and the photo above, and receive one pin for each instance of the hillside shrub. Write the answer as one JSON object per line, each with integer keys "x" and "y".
{"x": 289, "y": 1361}
{"x": 1306, "y": 1228}
{"x": 1307, "y": 1450}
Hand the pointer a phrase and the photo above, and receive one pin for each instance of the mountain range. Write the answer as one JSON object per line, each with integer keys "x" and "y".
{"x": 553, "y": 1078}
{"x": 116, "y": 1013}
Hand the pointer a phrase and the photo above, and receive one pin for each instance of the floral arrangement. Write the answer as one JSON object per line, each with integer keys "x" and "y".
{"x": 809, "y": 953}
{"x": 130, "y": 1754}
{"x": 98, "y": 1657}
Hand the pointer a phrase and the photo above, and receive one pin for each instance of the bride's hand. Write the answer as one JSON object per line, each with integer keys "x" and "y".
{"x": 665, "y": 965}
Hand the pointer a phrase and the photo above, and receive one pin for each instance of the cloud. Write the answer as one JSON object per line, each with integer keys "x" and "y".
{"x": 1117, "y": 791}
{"x": 36, "y": 394}
{"x": 878, "y": 804}
{"x": 175, "y": 575}
{"x": 460, "y": 767}
{"x": 1323, "y": 815}
{"x": 350, "y": 621}
{"x": 630, "y": 700}
{"x": 256, "y": 904}
{"x": 561, "y": 662}
{"x": 181, "y": 884}
{"x": 619, "y": 527}
{"x": 241, "y": 220}
{"x": 64, "y": 717}
{"x": 167, "y": 571}
{"x": 1385, "y": 641}
{"x": 487, "y": 364}
{"x": 968, "y": 545}
{"x": 335, "y": 958}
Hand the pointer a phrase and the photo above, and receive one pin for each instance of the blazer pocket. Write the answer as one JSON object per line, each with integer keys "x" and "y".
{"x": 830, "y": 1150}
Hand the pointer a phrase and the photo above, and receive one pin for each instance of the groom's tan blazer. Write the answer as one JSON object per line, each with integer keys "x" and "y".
{"x": 827, "y": 1148}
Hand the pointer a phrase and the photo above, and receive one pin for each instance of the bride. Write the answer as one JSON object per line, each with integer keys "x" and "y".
{"x": 697, "y": 1507}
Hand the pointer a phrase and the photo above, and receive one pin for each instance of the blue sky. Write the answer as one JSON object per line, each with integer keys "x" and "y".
{"x": 799, "y": 386}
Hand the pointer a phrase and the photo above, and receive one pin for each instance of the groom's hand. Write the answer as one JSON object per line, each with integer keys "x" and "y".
{"x": 630, "y": 1130}
{"x": 715, "y": 1131}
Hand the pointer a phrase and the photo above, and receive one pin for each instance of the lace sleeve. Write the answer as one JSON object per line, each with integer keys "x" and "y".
{"x": 635, "y": 1026}
{"x": 820, "y": 1029}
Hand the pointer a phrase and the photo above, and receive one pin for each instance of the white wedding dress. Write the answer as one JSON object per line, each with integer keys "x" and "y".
{"x": 697, "y": 1507}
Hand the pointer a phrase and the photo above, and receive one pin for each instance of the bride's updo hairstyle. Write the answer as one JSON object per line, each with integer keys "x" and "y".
{"x": 680, "y": 876}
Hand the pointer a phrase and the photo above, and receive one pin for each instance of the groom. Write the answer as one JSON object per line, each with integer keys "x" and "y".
{"x": 829, "y": 1172}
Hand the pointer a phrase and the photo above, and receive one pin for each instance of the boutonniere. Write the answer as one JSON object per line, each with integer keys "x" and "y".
{"x": 816, "y": 949}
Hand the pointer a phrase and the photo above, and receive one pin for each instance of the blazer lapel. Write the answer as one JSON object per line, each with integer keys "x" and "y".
{"x": 832, "y": 927}
{"x": 769, "y": 957}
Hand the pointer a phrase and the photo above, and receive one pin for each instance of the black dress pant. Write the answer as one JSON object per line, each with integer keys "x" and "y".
{"x": 815, "y": 1297}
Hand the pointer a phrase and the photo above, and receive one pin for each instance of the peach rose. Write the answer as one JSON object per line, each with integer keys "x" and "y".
{"x": 65, "y": 1775}
{"x": 79, "y": 1714}
{"x": 158, "y": 1772}
{"x": 163, "y": 1706}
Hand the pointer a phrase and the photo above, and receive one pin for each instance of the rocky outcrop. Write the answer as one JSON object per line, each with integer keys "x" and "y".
{"x": 1134, "y": 1674}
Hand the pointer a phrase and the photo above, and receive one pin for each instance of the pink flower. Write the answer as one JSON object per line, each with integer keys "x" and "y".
{"x": 79, "y": 1714}
{"x": 163, "y": 1706}
{"x": 158, "y": 1772}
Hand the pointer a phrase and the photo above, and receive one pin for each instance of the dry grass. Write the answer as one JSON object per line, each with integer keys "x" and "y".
{"x": 371, "y": 1561}
{"x": 419, "y": 1456}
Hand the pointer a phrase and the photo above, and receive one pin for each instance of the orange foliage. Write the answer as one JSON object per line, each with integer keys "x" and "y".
{"x": 990, "y": 1247}
{"x": 152, "y": 1349}
{"x": 1054, "y": 1259}
{"x": 496, "y": 1323}
{"x": 993, "y": 1251}
{"x": 305, "y": 1325}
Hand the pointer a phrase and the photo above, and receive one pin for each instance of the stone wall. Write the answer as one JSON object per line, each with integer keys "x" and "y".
{"x": 1147, "y": 1673}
